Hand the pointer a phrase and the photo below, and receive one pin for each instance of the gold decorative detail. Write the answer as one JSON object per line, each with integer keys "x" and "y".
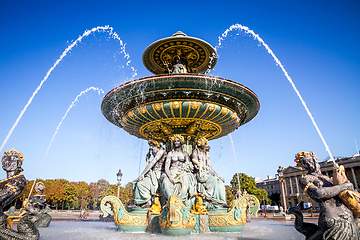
{"x": 15, "y": 176}
{"x": 300, "y": 155}
{"x": 154, "y": 142}
{"x": 201, "y": 141}
{"x": 131, "y": 114}
{"x": 234, "y": 115}
{"x": 161, "y": 129}
{"x": 236, "y": 214}
{"x": 198, "y": 207}
{"x": 176, "y": 105}
{"x": 224, "y": 110}
{"x": 156, "y": 207}
{"x": 181, "y": 218}
{"x": 306, "y": 188}
{"x": 212, "y": 107}
{"x": 194, "y": 105}
{"x": 158, "y": 106}
{"x": 19, "y": 153}
{"x": 121, "y": 217}
{"x": 12, "y": 187}
{"x": 172, "y": 138}
{"x": 142, "y": 109}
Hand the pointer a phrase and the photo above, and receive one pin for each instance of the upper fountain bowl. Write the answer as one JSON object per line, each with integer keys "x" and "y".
{"x": 195, "y": 54}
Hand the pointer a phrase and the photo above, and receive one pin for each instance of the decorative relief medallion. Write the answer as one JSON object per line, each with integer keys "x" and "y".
{"x": 160, "y": 129}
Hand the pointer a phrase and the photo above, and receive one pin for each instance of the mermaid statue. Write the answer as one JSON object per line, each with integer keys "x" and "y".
{"x": 336, "y": 220}
{"x": 10, "y": 189}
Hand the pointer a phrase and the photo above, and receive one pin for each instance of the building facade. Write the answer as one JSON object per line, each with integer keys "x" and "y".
{"x": 291, "y": 175}
{"x": 270, "y": 185}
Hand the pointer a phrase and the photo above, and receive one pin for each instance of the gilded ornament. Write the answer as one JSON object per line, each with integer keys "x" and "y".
{"x": 131, "y": 114}
{"x": 158, "y": 106}
{"x": 224, "y": 110}
{"x": 212, "y": 107}
{"x": 194, "y": 105}
{"x": 176, "y": 105}
{"x": 142, "y": 109}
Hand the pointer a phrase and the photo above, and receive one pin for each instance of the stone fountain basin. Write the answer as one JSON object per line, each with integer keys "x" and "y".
{"x": 193, "y": 104}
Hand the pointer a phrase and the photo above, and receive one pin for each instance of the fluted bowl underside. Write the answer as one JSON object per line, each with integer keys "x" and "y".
{"x": 195, "y": 105}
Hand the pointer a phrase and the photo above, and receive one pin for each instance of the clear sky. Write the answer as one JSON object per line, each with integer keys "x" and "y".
{"x": 316, "y": 41}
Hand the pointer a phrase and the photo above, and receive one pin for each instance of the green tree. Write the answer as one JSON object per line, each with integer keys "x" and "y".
{"x": 249, "y": 184}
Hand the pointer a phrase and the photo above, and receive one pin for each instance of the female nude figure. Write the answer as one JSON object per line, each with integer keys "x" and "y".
{"x": 335, "y": 220}
{"x": 178, "y": 177}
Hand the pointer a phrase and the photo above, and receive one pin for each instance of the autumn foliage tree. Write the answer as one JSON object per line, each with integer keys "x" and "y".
{"x": 62, "y": 194}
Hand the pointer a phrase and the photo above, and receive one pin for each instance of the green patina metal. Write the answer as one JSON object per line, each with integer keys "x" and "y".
{"x": 158, "y": 106}
{"x": 180, "y": 100}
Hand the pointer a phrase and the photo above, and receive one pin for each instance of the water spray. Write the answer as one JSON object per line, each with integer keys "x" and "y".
{"x": 57, "y": 129}
{"x": 85, "y": 34}
{"x": 259, "y": 39}
{"x": 237, "y": 171}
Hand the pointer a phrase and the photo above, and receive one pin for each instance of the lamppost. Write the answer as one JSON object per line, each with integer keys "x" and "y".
{"x": 119, "y": 176}
{"x": 265, "y": 213}
{"x": 281, "y": 180}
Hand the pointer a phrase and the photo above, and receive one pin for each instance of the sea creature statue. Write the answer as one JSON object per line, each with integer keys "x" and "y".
{"x": 10, "y": 189}
{"x": 336, "y": 220}
{"x": 39, "y": 201}
{"x": 282, "y": 214}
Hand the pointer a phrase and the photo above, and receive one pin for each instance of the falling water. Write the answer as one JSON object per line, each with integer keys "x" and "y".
{"x": 141, "y": 149}
{"x": 85, "y": 34}
{"x": 257, "y": 37}
{"x": 57, "y": 129}
{"x": 237, "y": 172}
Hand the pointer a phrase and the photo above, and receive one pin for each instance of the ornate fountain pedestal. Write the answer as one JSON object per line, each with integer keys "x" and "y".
{"x": 176, "y": 220}
{"x": 182, "y": 108}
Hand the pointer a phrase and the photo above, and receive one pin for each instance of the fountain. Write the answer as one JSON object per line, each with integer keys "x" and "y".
{"x": 182, "y": 108}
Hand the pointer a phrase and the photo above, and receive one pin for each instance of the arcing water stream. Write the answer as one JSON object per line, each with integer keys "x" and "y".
{"x": 257, "y": 37}
{"x": 57, "y": 129}
{"x": 85, "y": 34}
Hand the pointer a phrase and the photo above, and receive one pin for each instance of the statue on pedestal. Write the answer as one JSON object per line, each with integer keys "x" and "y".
{"x": 10, "y": 189}
{"x": 178, "y": 177}
{"x": 336, "y": 220}
{"x": 39, "y": 202}
{"x": 147, "y": 185}
{"x": 209, "y": 183}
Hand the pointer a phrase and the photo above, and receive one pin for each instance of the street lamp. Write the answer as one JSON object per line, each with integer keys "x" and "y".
{"x": 281, "y": 180}
{"x": 119, "y": 176}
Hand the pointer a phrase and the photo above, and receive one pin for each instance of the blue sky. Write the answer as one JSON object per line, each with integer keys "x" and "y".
{"x": 317, "y": 43}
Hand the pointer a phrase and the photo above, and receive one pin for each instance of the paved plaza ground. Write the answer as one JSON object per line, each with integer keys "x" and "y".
{"x": 66, "y": 225}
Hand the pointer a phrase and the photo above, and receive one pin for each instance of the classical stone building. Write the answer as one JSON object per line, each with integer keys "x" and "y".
{"x": 293, "y": 192}
{"x": 270, "y": 185}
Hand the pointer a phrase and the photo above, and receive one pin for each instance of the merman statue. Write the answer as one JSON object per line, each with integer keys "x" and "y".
{"x": 336, "y": 220}
{"x": 10, "y": 189}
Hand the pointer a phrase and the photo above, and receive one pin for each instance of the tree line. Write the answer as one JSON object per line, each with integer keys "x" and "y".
{"x": 65, "y": 195}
